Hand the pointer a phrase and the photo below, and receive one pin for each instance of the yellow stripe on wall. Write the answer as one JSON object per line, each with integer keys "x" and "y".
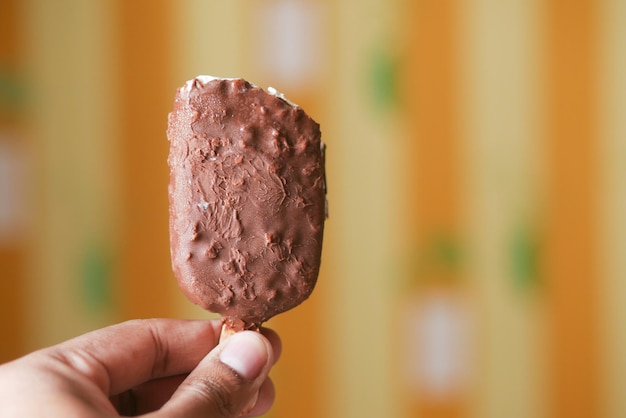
{"x": 501, "y": 127}
{"x": 68, "y": 56}
{"x": 612, "y": 57}
{"x": 366, "y": 190}
{"x": 570, "y": 265}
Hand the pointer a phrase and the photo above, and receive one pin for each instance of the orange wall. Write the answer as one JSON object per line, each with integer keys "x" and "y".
{"x": 12, "y": 247}
{"x": 433, "y": 105}
{"x": 145, "y": 96}
{"x": 571, "y": 240}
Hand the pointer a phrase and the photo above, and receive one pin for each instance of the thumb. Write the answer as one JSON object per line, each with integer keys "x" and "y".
{"x": 226, "y": 383}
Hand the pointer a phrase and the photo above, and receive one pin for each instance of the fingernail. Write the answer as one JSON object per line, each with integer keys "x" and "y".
{"x": 245, "y": 353}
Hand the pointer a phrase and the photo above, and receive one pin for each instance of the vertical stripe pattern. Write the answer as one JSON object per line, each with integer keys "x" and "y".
{"x": 571, "y": 242}
{"x": 12, "y": 247}
{"x": 433, "y": 108}
{"x": 501, "y": 149}
{"x": 145, "y": 98}
{"x": 68, "y": 58}
{"x": 612, "y": 222}
{"x": 503, "y": 162}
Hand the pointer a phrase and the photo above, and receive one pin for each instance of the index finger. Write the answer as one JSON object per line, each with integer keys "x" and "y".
{"x": 122, "y": 356}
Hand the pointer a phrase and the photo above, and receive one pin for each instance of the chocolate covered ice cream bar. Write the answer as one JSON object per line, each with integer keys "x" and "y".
{"x": 247, "y": 199}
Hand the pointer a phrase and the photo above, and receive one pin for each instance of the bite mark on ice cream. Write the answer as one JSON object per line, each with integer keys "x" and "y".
{"x": 247, "y": 199}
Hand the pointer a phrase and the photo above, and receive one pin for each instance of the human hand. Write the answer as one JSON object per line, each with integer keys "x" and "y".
{"x": 162, "y": 367}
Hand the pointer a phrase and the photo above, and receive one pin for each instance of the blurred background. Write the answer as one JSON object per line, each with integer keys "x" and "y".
{"x": 474, "y": 255}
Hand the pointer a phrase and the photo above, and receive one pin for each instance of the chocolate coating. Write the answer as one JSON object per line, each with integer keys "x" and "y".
{"x": 247, "y": 200}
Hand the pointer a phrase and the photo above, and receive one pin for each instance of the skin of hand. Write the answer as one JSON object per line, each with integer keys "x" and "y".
{"x": 157, "y": 367}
